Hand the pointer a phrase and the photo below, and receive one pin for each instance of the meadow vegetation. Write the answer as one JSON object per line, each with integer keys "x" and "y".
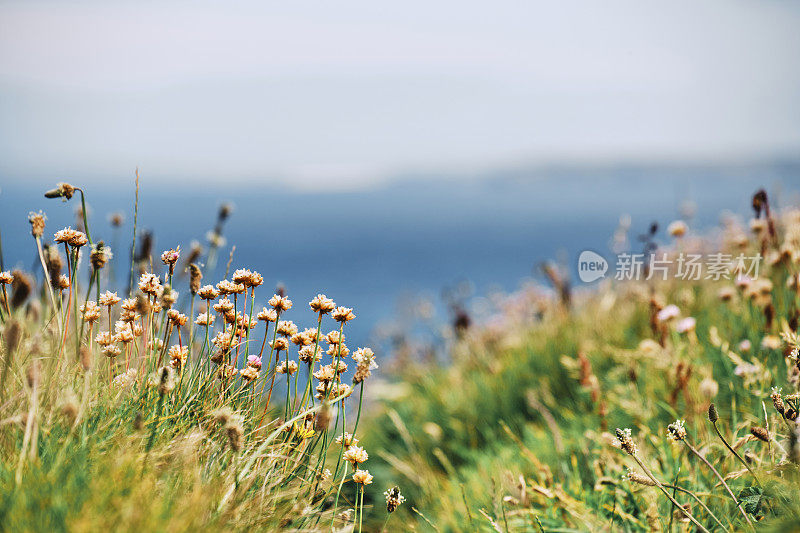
{"x": 175, "y": 404}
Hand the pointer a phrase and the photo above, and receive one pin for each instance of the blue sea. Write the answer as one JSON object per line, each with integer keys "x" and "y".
{"x": 417, "y": 235}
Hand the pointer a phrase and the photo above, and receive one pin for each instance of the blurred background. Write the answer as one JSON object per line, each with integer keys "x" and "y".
{"x": 382, "y": 151}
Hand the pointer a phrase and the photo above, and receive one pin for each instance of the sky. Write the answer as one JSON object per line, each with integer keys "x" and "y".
{"x": 320, "y": 94}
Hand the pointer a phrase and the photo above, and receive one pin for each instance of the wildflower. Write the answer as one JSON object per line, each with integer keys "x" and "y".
{"x": 177, "y": 318}
{"x": 745, "y": 346}
{"x": 108, "y": 299}
{"x": 760, "y": 433}
{"x": 771, "y": 342}
{"x": 241, "y": 275}
{"x": 155, "y": 345}
{"x": 279, "y": 344}
{"x": 286, "y": 368}
{"x": 686, "y": 325}
{"x": 636, "y": 477}
{"x": 287, "y": 328}
{"x": 170, "y": 257}
{"x": 668, "y": 313}
{"x": 204, "y": 319}
{"x": 111, "y": 351}
{"x": 677, "y": 228}
{"x": 65, "y": 235}
{"x": 226, "y": 287}
{"x": 280, "y": 303}
{"x": 207, "y": 292}
{"x": 362, "y": 477}
{"x": 306, "y": 354}
{"x": 625, "y": 440}
{"x": 149, "y": 284}
{"x": 325, "y": 373}
{"x": 301, "y": 339}
{"x": 676, "y": 431}
{"x": 365, "y": 364}
{"x": 343, "y": 314}
{"x": 334, "y": 337}
{"x": 223, "y": 306}
{"x": 254, "y": 280}
{"x": 726, "y": 294}
{"x": 104, "y": 338}
{"x": 63, "y": 282}
{"x": 177, "y": 355}
{"x": 116, "y": 219}
{"x": 338, "y": 350}
{"x": 324, "y": 475}
{"x": 6, "y": 277}
{"x": 355, "y": 455}
{"x": 37, "y": 223}
{"x": 267, "y": 315}
{"x": 124, "y": 333}
{"x": 322, "y": 304}
{"x": 709, "y": 388}
{"x": 254, "y": 361}
{"x": 303, "y": 431}
{"x": 249, "y": 373}
{"x": 62, "y": 189}
{"x": 125, "y": 379}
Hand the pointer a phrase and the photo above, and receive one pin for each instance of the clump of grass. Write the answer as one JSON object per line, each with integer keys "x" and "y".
{"x": 530, "y": 395}
{"x": 121, "y": 412}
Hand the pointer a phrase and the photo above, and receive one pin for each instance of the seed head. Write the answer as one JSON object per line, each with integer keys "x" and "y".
{"x": 393, "y": 499}
{"x": 235, "y": 433}
{"x": 636, "y": 477}
{"x": 677, "y": 430}
{"x": 195, "y": 275}
{"x": 37, "y": 223}
{"x": 166, "y": 380}
{"x": 713, "y": 416}
{"x": 625, "y": 440}
{"x": 62, "y": 189}
{"x": 760, "y": 433}
{"x": 777, "y": 401}
{"x": 100, "y": 255}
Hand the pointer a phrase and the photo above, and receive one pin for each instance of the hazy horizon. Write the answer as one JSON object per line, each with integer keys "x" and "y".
{"x": 352, "y": 94}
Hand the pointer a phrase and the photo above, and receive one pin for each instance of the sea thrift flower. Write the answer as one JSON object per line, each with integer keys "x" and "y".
{"x": 365, "y": 364}
{"x": 279, "y": 344}
{"x": 177, "y": 355}
{"x": 204, "y": 319}
{"x": 90, "y": 311}
{"x": 349, "y": 440}
{"x": 322, "y": 304}
{"x": 668, "y": 313}
{"x": 177, "y": 318}
{"x": 111, "y": 351}
{"x": 287, "y": 328}
{"x": 355, "y": 455}
{"x": 686, "y": 325}
{"x": 249, "y": 373}
{"x": 207, "y": 292}
{"x": 283, "y": 368}
{"x": 149, "y": 284}
{"x": 343, "y": 314}
{"x": 63, "y": 282}
{"x": 223, "y": 306}
{"x": 241, "y": 275}
{"x": 362, "y": 477}
{"x": 6, "y": 277}
{"x": 267, "y": 315}
{"x": 677, "y": 228}
{"x": 170, "y": 257}
{"x": 254, "y": 361}
{"x": 108, "y": 299}
{"x": 306, "y": 354}
{"x": 280, "y": 303}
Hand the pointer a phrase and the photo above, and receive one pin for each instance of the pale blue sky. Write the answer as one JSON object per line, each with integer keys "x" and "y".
{"x": 322, "y": 93}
